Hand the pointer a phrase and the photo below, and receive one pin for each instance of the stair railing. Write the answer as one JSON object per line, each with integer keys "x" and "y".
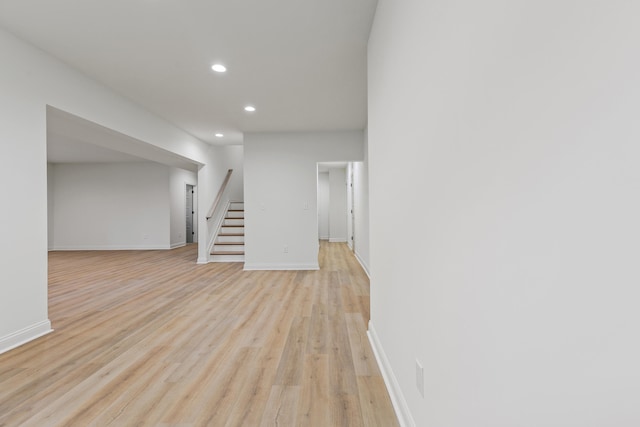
{"x": 223, "y": 187}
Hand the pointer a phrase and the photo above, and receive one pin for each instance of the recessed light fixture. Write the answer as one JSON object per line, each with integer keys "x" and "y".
{"x": 219, "y": 135}
{"x": 250, "y": 108}
{"x": 218, "y": 68}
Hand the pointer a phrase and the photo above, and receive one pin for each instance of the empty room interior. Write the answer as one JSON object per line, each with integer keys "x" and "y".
{"x": 320, "y": 213}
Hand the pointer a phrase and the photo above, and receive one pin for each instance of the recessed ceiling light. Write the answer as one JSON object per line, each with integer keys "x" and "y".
{"x": 250, "y": 108}
{"x": 219, "y": 68}
{"x": 219, "y": 135}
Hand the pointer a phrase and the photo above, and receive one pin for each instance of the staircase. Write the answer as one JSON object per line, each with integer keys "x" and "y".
{"x": 229, "y": 244}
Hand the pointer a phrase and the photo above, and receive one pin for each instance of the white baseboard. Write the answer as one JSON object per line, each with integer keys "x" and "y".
{"x": 25, "y": 335}
{"x": 202, "y": 261}
{"x": 110, "y": 248}
{"x": 178, "y": 245}
{"x": 267, "y": 266}
{"x": 323, "y": 237}
{"x": 337, "y": 240}
{"x": 365, "y": 267}
{"x": 397, "y": 398}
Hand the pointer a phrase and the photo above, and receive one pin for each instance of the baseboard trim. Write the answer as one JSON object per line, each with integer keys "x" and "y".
{"x": 363, "y": 265}
{"x": 111, "y": 248}
{"x": 25, "y": 335}
{"x": 177, "y": 245}
{"x": 397, "y": 398}
{"x": 202, "y": 261}
{"x": 337, "y": 240}
{"x": 259, "y": 266}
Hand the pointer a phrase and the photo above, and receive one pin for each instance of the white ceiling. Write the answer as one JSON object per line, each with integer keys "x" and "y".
{"x": 302, "y": 63}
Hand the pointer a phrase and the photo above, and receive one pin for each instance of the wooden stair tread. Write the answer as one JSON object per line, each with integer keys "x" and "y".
{"x": 231, "y": 234}
{"x": 227, "y": 253}
{"x": 235, "y": 210}
{"x": 229, "y": 243}
{"x": 231, "y": 225}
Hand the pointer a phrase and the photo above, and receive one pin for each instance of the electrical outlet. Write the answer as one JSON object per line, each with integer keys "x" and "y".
{"x": 286, "y": 249}
{"x": 420, "y": 378}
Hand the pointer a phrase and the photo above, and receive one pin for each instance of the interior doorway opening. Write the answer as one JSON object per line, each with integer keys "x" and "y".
{"x": 335, "y": 204}
{"x": 190, "y": 211}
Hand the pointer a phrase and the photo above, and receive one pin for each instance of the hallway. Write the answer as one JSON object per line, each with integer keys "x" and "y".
{"x": 151, "y": 338}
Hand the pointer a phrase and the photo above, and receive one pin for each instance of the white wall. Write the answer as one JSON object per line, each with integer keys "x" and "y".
{"x": 233, "y": 158}
{"x": 280, "y": 190}
{"x": 323, "y": 205}
{"x": 29, "y": 81}
{"x": 178, "y": 180}
{"x": 108, "y": 206}
{"x": 49, "y": 205}
{"x": 508, "y": 132}
{"x": 337, "y": 205}
{"x": 361, "y": 210}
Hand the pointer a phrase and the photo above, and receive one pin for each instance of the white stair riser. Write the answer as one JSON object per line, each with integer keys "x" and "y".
{"x": 232, "y": 230}
{"x": 229, "y": 221}
{"x": 239, "y": 247}
{"x": 239, "y": 215}
{"x": 236, "y": 205}
{"x": 235, "y": 239}
{"x": 227, "y": 258}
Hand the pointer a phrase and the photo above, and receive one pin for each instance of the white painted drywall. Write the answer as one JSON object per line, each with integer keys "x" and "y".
{"x": 323, "y": 205}
{"x": 178, "y": 180}
{"x": 29, "y": 81}
{"x": 233, "y": 158}
{"x": 337, "y": 205}
{"x": 49, "y": 205}
{"x": 280, "y": 190}
{"x": 361, "y": 210}
{"x": 508, "y": 133}
{"x": 110, "y": 206}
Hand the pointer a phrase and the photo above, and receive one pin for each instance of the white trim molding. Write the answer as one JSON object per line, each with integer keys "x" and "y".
{"x": 337, "y": 240}
{"x": 267, "y": 266}
{"x": 365, "y": 267}
{"x": 178, "y": 245}
{"x": 111, "y": 248}
{"x": 397, "y": 398}
{"x": 25, "y": 335}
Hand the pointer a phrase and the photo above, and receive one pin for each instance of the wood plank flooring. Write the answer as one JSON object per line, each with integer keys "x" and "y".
{"x": 150, "y": 338}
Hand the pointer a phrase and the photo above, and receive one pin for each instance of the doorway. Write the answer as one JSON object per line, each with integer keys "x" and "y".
{"x": 190, "y": 212}
{"x": 333, "y": 220}
{"x": 351, "y": 222}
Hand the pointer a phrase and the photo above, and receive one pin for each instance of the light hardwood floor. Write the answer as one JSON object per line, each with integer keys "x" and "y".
{"x": 151, "y": 338}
